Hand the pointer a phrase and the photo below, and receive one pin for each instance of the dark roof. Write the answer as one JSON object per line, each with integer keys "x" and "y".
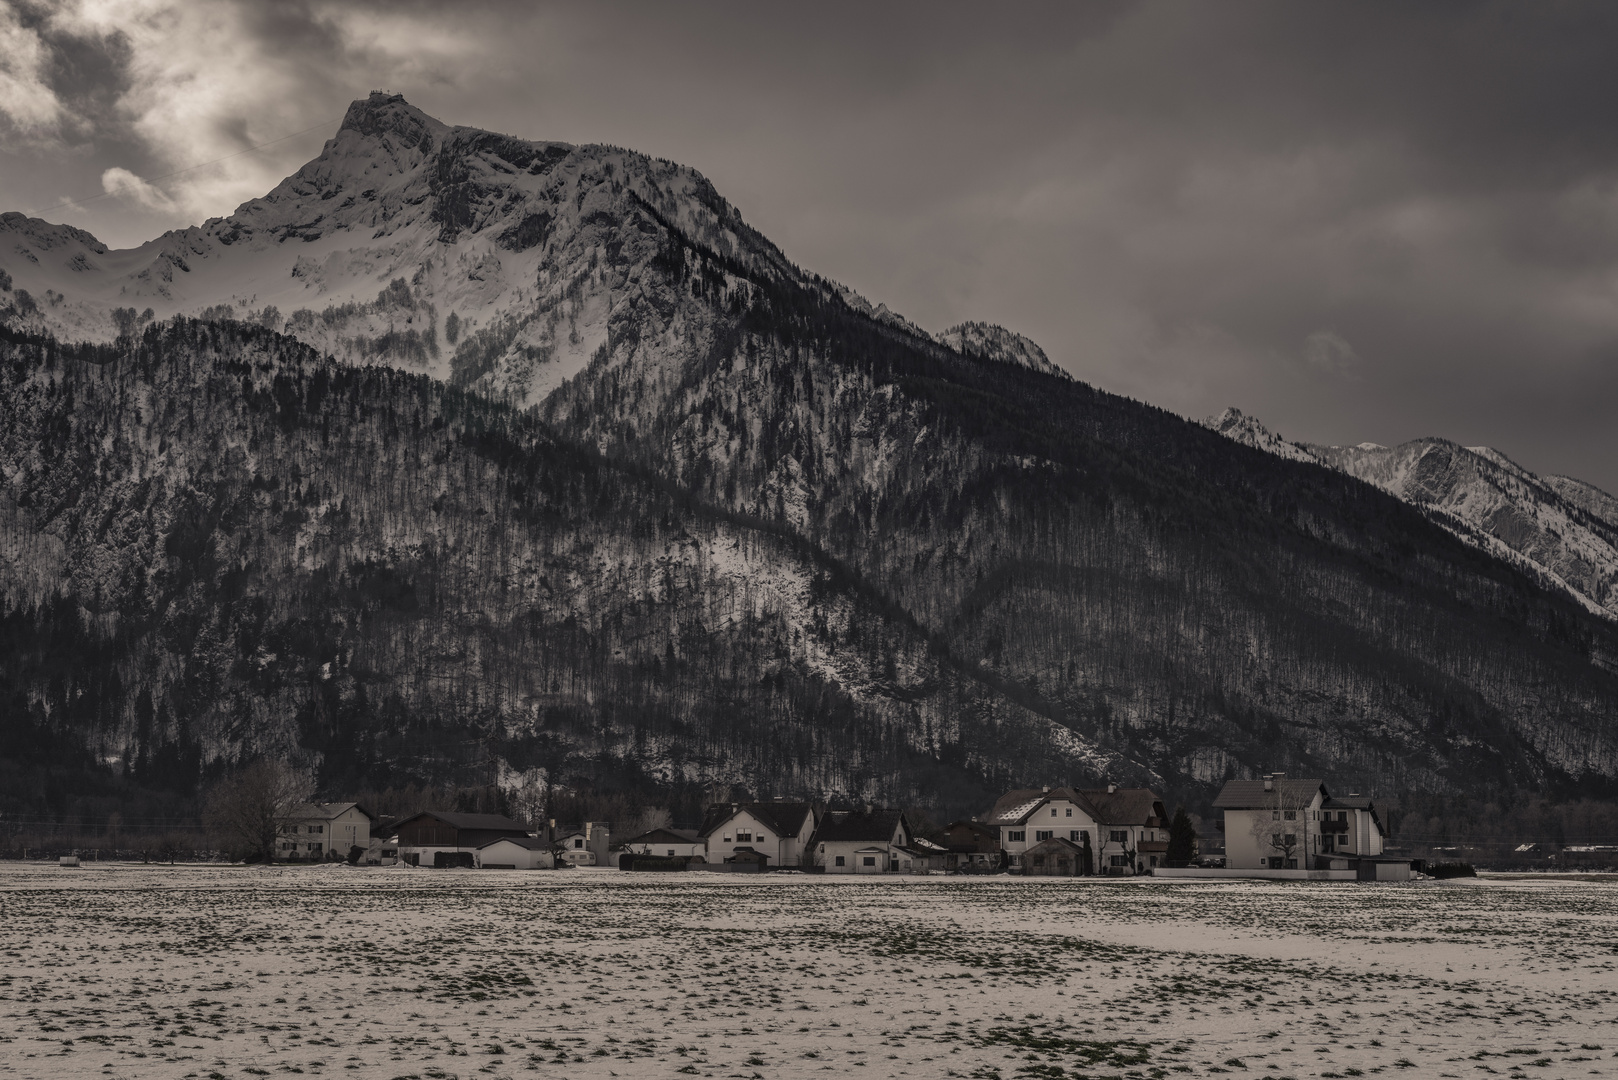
{"x": 986, "y": 837}
{"x": 1016, "y": 807}
{"x": 1250, "y": 794}
{"x": 469, "y": 822}
{"x": 1347, "y": 802}
{"x": 662, "y": 836}
{"x": 1126, "y": 806}
{"x": 747, "y": 854}
{"x": 784, "y": 817}
{"x": 532, "y": 843}
{"x": 855, "y": 826}
{"x": 328, "y": 810}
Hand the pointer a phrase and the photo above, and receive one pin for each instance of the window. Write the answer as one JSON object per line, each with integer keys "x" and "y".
{"x": 1154, "y": 860}
{"x": 1290, "y": 815}
{"x": 1070, "y": 811}
{"x": 1043, "y": 834}
{"x": 1275, "y": 815}
{"x": 317, "y": 828}
{"x": 671, "y": 853}
{"x": 1076, "y": 835}
{"x": 578, "y": 842}
{"x": 744, "y": 838}
{"x": 1119, "y": 860}
{"x": 870, "y": 860}
{"x": 841, "y": 861}
{"x": 1289, "y": 840}
{"x": 1053, "y": 811}
{"x": 1120, "y": 836}
{"x": 1016, "y": 836}
{"x": 727, "y": 840}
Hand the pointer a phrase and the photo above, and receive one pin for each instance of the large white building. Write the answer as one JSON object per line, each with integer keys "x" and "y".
{"x": 312, "y": 832}
{"x": 871, "y": 841}
{"x": 1279, "y": 822}
{"x": 778, "y": 829}
{"x": 1125, "y": 830}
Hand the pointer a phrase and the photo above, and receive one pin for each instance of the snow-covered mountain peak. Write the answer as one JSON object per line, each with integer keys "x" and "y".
{"x": 1247, "y": 430}
{"x": 991, "y": 342}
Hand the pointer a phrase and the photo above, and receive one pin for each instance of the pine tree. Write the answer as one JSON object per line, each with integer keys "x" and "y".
{"x": 1182, "y": 839}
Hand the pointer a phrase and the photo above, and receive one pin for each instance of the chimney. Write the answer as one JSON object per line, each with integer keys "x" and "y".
{"x": 867, "y": 809}
{"x": 1047, "y": 789}
{"x": 1269, "y": 784}
{"x": 1112, "y": 789}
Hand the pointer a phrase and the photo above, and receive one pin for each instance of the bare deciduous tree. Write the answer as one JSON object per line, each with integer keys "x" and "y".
{"x": 248, "y": 807}
{"x": 1282, "y": 824}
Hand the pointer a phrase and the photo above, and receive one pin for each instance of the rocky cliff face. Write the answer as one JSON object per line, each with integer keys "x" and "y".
{"x": 748, "y": 529}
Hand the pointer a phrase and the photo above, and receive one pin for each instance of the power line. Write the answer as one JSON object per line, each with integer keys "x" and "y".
{"x": 188, "y": 168}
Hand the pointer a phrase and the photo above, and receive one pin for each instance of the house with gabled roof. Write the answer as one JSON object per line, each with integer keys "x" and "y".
{"x": 1133, "y": 837}
{"x": 869, "y": 841}
{"x": 1272, "y": 823}
{"x": 315, "y": 831}
{"x": 778, "y": 828}
{"x": 1285, "y": 823}
{"x": 1123, "y": 830}
{"x": 1030, "y": 816}
{"x": 970, "y": 847}
{"x": 423, "y": 836}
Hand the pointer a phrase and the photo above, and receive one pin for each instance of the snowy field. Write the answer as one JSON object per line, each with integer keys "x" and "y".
{"x": 128, "y": 971}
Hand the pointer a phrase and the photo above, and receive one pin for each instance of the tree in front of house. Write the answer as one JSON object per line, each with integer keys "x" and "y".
{"x": 1280, "y": 827}
{"x": 247, "y": 808}
{"x": 1182, "y": 840}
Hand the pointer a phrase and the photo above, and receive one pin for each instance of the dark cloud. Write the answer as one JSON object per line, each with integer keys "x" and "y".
{"x": 1357, "y": 221}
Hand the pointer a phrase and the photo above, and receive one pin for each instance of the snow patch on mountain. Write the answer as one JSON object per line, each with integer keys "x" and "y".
{"x": 995, "y": 343}
{"x": 1239, "y": 427}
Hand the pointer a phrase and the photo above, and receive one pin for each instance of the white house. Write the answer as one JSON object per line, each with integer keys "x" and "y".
{"x": 1124, "y": 829}
{"x": 516, "y": 853}
{"x": 1272, "y": 823}
{"x": 666, "y": 843}
{"x": 1033, "y": 815}
{"x": 866, "y": 842}
{"x": 1279, "y": 823}
{"x": 1134, "y": 830}
{"x": 586, "y": 847}
{"x": 312, "y": 830}
{"x": 778, "y": 829}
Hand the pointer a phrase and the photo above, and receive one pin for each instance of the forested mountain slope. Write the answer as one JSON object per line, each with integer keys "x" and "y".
{"x": 750, "y": 529}
{"x": 218, "y": 545}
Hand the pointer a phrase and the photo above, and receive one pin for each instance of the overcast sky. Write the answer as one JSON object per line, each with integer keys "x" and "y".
{"x": 1355, "y": 221}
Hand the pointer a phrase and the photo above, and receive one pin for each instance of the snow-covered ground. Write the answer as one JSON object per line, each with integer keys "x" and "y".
{"x": 130, "y": 971}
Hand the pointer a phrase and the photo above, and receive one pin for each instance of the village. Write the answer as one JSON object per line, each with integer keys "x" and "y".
{"x": 1276, "y": 827}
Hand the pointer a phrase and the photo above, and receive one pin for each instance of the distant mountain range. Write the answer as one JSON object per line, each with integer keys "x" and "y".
{"x": 1561, "y": 529}
{"x": 492, "y": 458}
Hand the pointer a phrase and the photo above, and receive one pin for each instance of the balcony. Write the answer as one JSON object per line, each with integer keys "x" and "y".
{"x": 1334, "y": 826}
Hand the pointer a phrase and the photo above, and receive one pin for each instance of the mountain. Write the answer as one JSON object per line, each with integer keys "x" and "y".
{"x": 1563, "y": 530}
{"x": 493, "y": 458}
